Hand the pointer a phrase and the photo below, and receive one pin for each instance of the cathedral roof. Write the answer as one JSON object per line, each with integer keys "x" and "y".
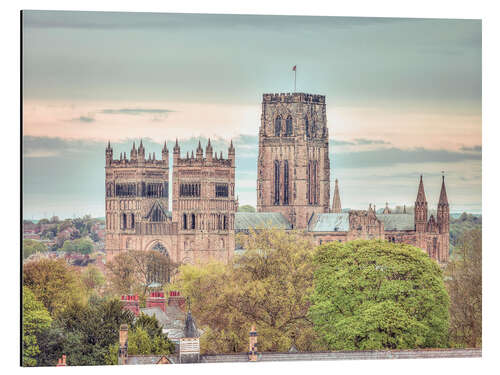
{"x": 329, "y": 222}
{"x": 397, "y": 221}
{"x": 243, "y": 221}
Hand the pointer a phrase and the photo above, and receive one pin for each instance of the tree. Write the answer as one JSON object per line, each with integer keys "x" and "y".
{"x": 90, "y": 329}
{"x": 53, "y": 283}
{"x": 464, "y": 283}
{"x": 80, "y": 245}
{"x": 144, "y": 338}
{"x": 372, "y": 295}
{"x": 36, "y": 318}
{"x": 134, "y": 270}
{"x": 246, "y": 208}
{"x": 92, "y": 279}
{"x": 31, "y": 247}
{"x": 268, "y": 286}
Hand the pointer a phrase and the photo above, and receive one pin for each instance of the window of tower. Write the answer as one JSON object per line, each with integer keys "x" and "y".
{"x": 285, "y": 182}
{"x": 190, "y": 190}
{"x": 307, "y": 128}
{"x": 277, "y": 126}
{"x": 184, "y": 221}
{"x": 193, "y": 221}
{"x": 225, "y": 222}
{"x": 221, "y": 190}
{"x": 124, "y": 221}
{"x": 289, "y": 129}
{"x": 132, "y": 221}
{"x": 276, "y": 182}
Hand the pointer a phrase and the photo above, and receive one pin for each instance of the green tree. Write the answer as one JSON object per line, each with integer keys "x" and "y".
{"x": 464, "y": 283}
{"x": 31, "y": 247}
{"x": 377, "y": 295}
{"x": 246, "y": 208}
{"x": 92, "y": 279}
{"x": 79, "y": 245}
{"x": 268, "y": 286}
{"x": 53, "y": 283}
{"x": 90, "y": 329}
{"x": 36, "y": 318}
{"x": 144, "y": 338}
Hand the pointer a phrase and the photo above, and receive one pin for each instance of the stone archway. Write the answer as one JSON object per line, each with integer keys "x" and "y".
{"x": 159, "y": 269}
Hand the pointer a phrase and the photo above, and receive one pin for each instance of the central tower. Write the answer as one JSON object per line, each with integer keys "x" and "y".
{"x": 293, "y": 166}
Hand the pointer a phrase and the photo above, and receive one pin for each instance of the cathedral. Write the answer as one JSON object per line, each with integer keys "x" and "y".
{"x": 293, "y": 193}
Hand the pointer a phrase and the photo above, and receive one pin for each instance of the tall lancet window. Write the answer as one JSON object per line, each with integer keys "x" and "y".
{"x": 307, "y": 128}
{"x": 285, "y": 182}
{"x": 309, "y": 195}
{"x": 289, "y": 130}
{"x": 315, "y": 182}
{"x": 277, "y": 126}
{"x": 276, "y": 182}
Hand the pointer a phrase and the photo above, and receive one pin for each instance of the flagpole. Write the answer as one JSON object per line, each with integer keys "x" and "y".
{"x": 295, "y": 81}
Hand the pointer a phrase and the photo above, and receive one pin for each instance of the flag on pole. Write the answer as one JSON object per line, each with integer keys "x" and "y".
{"x": 294, "y": 69}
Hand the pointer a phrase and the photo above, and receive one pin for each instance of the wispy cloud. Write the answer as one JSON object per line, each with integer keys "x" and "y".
{"x": 364, "y": 141}
{"x": 477, "y": 148}
{"x": 84, "y": 119}
{"x": 135, "y": 111}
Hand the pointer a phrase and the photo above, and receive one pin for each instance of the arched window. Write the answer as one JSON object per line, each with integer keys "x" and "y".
{"x": 124, "y": 221}
{"x": 277, "y": 126}
{"x": 276, "y": 182}
{"x": 313, "y": 128}
{"x": 225, "y": 222}
{"x": 289, "y": 129}
{"x": 193, "y": 221}
{"x": 184, "y": 221}
{"x": 285, "y": 182}
{"x": 307, "y": 128}
{"x": 132, "y": 221}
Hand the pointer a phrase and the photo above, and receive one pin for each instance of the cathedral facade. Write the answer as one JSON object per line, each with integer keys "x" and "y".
{"x": 293, "y": 193}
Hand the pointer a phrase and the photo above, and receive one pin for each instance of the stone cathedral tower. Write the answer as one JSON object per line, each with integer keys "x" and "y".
{"x": 293, "y": 166}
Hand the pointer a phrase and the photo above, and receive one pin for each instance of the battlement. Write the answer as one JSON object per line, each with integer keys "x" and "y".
{"x": 295, "y": 97}
{"x": 194, "y": 162}
{"x": 128, "y": 163}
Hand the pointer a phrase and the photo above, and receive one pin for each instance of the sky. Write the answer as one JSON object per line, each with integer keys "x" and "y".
{"x": 403, "y": 99}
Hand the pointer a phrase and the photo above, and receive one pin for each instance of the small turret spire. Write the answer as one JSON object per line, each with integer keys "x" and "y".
{"x": 133, "y": 146}
{"x": 421, "y": 192}
{"x": 336, "y": 206}
{"x": 164, "y": 146}
{"x": 443, "y": 198}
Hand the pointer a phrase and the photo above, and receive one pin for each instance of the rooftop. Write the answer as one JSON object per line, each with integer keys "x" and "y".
{"x": 244, "y": 221}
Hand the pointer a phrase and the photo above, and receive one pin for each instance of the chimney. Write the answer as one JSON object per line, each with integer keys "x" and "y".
{"x": 156, "y": 299}
{"x": 61, "y": 361}
{"x": 252, "y": 352}
{"x": 175, "y": 299}
{"x": 123, "y": 343}
{"x": 131, "y": 302}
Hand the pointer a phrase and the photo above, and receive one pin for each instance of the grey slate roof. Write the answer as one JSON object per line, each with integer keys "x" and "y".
{"x": 345, "y": 355}
{"x": 144, "y": 359}
{"x": 397, "y": 221}
{"x": 244, "y": 221}
{"x": 172, "y": 321}
{"x": 329, "y": 222}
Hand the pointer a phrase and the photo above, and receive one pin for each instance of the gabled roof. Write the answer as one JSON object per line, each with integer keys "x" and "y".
{"x": 245, "y": 221}
{"x": 397, "y": 221}
{"x": 160, "y": 206}
{"x": 329, "y": 222}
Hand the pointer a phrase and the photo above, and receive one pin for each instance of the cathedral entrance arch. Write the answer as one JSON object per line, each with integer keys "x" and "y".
{"x": 159, "y": 267}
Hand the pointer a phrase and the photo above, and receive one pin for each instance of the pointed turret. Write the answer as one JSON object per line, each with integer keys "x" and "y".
{"x": 141, "y": 152}
{"x": 420, "y": 208}
{"x": 386, "y": 209}
{"x": 164, "y": 153}
{"x": 199, "y": 151}
{"x": 443, "y": 211}
{"x": 109, "y": 154}
{"x": 404, "y": 208}
{"x": 231, "y": 153}
{"x": 133, "y": 152}
{"x": 209, "y": 151}
{"x": 177, "y": 151}
{"x": 336, "y": 206}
